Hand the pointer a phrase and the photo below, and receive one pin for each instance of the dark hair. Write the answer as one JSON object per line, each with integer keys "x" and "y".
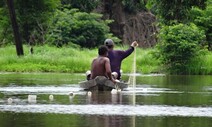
{"x": 102, "y": 50}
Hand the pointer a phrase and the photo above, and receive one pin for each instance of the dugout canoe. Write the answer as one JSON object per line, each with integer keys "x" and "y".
{"x": 101, "y": 83}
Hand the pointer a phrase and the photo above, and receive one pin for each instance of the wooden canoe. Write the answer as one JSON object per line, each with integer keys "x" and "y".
{"x": 101, "y": 83}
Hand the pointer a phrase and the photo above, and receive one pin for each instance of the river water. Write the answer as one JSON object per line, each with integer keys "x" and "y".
{"x": 55, "y": 100}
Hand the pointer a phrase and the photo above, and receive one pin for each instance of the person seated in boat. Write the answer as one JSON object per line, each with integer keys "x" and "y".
{"x": 101, "y": 65}
{"x": 116, "y": 56}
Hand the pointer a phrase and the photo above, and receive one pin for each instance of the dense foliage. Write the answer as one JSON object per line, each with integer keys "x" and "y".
{"x": 174, "y": 10}
{"x": 81, "y": 28}
{"x": 32, "y": 16}
{"x": 203, "y": 19}
{"x": 82, "y": 5}
{"x": 42, "y": 22}
{"x": 179, "y": 44}
{"x": 5, "y": 28}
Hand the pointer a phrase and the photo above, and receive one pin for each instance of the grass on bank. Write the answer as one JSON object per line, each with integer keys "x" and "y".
{"x": 66, "y": 59}
{"x": 201, "y": 65}
{"x": 45, "y": 59}
{"x": 76, "y": 60}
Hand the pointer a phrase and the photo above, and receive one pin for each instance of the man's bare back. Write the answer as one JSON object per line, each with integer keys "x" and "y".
{"x": 100, "y": 67}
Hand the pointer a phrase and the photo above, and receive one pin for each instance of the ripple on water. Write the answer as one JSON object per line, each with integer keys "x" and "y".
{"x": 125, "y": 110}
{"x": 64, "y": 90}
{"x": 149, "y": 90}
{"x": 39, "y": 89}
{"x": 207, "y": 88}
{"x": 104, "y": 109}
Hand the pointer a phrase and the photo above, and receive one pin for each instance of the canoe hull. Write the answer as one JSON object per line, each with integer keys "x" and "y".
{"x": 101, "y": 83}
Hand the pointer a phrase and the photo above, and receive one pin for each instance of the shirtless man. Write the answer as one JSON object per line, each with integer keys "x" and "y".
{"x": 101, "y": 65}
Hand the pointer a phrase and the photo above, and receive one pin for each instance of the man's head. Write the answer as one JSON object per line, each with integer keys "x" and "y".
{"x": 109, "y": 43}
{"x": 103, "y": 50}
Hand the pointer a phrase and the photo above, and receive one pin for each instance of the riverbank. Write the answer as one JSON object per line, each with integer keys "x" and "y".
{"x": 77, "y": 60}
{"x": 68, "y": 60}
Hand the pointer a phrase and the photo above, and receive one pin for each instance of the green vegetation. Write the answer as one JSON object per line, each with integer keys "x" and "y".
{"x": 145, "y": 62}
{"x": 46, "y": 59}
{"x": 179, "y": 44}
{"x": 78, "y": 60}
{"x": 56, "y": 22}
{"x": 203, "y": 19}
{"x": 72, "y": 26}
{"x": 169, "y": 11}
{"x": 69, "y": 26}
{"x": 66, "y": 59}
{"x": 201, "y": 65}
{"x": 184, "y": 35}
{"x": 82, "y": 5}
{"x": 32, "y": 17}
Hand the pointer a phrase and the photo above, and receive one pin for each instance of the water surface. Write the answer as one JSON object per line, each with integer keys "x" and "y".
{"x": 157, "y": 100}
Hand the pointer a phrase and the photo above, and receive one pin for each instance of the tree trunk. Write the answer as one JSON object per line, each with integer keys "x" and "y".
{"x": 112, "y": 9}
{"x": 19, "y": 46}
{"x": 138, "y": 26}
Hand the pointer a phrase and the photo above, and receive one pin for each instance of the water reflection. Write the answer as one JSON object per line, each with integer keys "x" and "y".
{"x": 103, "y": 97}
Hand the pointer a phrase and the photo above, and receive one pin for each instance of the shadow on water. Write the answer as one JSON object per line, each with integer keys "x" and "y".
{"x": 162, "y": 100}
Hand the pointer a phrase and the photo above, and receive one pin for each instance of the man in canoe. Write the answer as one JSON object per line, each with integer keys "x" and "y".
{"x": 116, "y": 56}
{"x": 101, "y": 65}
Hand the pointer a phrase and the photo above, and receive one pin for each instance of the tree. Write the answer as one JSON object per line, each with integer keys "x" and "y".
{"x": 18, "y": 42}
{"x": 34, "y": 15}
{"x": 203, "y": 19}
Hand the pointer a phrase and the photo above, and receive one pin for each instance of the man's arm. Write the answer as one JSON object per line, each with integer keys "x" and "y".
{"x": 127, "y": 52}
{"x": 130, "y": 50}
{"x": 92, "y": 66}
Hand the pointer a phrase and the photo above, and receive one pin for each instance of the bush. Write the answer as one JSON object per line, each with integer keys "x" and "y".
{"x": 178, "y": 45}
{"x": 81, "y": 28}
